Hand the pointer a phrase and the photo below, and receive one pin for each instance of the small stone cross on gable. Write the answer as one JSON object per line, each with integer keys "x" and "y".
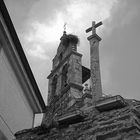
{"x": 94, "y": 26}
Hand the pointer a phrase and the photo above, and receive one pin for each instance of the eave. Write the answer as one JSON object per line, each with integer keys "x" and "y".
{"x": 22, "y": 57}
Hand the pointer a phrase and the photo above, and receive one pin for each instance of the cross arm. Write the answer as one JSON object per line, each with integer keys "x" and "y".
{"x": 96, "y": 25}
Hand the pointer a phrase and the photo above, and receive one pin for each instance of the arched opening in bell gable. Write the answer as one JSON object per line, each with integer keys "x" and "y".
{"x": 64, "y": 76}
{"x": 54, "y": 85}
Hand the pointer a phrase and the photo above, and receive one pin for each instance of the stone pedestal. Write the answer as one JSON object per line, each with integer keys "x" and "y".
{"x": 96, "y": 87}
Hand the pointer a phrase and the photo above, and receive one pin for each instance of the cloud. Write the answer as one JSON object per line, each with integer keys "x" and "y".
{"x": 129, "y": 14}
{"x": 123, "y": 14}
{"x": 37, "y": 51}
{"x": 106, "y": 66}
{"x": 19, "y": 18}
{"x": 78, "y": 14}
{"x": 44, "y": 32}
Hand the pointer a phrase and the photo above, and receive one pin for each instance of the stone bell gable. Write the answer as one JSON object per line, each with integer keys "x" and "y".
{"x": 75, "y": 112}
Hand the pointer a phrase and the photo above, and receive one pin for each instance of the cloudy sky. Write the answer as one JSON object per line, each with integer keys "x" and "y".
{"x": 39, "y": 25}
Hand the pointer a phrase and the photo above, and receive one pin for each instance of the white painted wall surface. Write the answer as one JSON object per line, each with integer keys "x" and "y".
{"x": 14, "y": 108}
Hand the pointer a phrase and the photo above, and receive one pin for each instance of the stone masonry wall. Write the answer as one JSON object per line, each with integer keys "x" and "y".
{"x": 120, "y": 124}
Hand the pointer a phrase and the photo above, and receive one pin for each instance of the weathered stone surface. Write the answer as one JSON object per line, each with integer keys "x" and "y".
{"x": 117, "y": 124}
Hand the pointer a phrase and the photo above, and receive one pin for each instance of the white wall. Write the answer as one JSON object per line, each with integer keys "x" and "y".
{"x": 5, "y": 130}
{"x": 14, "y": 108}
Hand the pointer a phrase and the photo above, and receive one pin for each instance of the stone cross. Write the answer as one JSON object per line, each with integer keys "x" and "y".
{"x": 95, "y": 77}
{"x": 94, "y": 26}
